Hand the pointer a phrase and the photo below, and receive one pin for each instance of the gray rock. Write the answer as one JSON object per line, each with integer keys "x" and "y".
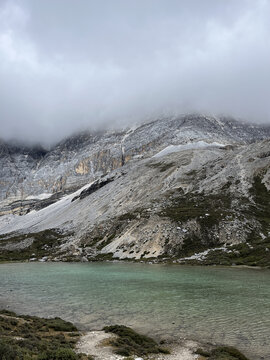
{"x": 211, "y": 184}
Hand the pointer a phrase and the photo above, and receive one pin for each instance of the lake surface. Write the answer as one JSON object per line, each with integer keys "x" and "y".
{"x": 220, "y": 305}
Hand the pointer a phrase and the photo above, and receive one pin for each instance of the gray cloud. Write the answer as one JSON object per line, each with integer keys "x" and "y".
{"x": 67, "y": 65}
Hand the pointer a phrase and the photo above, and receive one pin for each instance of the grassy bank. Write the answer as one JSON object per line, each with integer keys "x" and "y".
{"x": 25, "y": 337}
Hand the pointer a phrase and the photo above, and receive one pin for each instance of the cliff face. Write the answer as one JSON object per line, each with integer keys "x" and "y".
{"x": 65, "y": 168}
{"x": 173, "y": 188}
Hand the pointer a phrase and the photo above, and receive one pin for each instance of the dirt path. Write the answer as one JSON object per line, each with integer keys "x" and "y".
{"x": 94, "y": 343}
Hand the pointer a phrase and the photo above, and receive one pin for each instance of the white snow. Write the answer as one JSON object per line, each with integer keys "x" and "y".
{"x": 192, "y": 145}
{"x": 39, "y": 197}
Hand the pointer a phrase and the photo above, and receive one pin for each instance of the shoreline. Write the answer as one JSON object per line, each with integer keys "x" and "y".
{"x": 170, "y": 263}
{"x": 100, "y": 344}
{"x": 96, "y": 343}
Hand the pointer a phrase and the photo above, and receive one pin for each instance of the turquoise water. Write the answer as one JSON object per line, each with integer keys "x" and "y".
{"x": 220, "y": 305}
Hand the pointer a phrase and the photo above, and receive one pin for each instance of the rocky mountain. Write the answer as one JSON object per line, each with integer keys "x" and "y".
{"x": 187, "y": 189}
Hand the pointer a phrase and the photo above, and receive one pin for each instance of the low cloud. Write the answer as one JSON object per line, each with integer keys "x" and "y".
{"x": 67, "y": 66}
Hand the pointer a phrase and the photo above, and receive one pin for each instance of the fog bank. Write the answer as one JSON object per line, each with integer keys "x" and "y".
{"x": 71, "y": 65}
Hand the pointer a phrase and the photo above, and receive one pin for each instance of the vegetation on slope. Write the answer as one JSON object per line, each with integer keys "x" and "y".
{"x": 219, "y": 207}
{"x": 256, "y": 250}
{"x": 43, "y": 243}
{"x": 207, "y": 210}
{"x": 261, "y": 206}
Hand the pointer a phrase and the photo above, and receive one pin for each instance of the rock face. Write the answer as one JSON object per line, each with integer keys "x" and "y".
{"x": 172, "y": 188}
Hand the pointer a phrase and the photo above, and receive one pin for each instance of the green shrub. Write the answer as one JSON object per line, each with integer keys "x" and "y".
{"x": 130, "y": 342}
{"x": 9, "y": 352}
{"x": 202, "y": 352}
{"x": 58, "y": 324}
{"x": 65, "y": 354}
{"x": 60, "y": 354}
{"x": 227, "y": 353}
{"x": 29, "y": 337}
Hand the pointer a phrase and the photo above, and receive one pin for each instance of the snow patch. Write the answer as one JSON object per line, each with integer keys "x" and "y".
{"x": 39, "y": 197}
{"x": 193, "y": 145}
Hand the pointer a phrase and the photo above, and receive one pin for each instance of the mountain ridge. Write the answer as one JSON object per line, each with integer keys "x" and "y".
{"x": 128, "y": 196}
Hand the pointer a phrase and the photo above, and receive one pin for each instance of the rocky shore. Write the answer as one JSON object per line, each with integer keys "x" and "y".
{"x": 96, "y": 343}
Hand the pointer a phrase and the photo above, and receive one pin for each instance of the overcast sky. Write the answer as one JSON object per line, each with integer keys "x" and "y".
{"x": 66, "y": 65}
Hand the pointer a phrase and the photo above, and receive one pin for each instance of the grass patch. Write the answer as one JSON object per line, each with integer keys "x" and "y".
{"x": 207, "y": 210}
{"x": 220, "y": 207}
{"x": 162, "y": 166}
{"x": 202, "y": 352}
{"x": 222, "y": 353}
{"x": 24, "y": 337}
{"x": 44, "y": 243}
{"x": 58, "y": 324}
{"x": 226, "y": 353}
{"x": 261, "y": 209}
{"x": 129, "y": 342}
{"x": 257, "y": 254}
{"x": 102, "y": 257}
{"x": 189, "y": 207}
{"x": 196, "y": 244}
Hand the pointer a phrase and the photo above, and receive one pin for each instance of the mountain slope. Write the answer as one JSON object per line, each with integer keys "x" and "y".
{"x": 33, "y": 173}
{"x": 180, "y": 187}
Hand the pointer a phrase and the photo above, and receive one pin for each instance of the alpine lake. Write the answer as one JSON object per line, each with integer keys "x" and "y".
{"x": 211, "y": 304}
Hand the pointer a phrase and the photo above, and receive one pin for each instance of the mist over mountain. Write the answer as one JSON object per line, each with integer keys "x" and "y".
{"x": 68, "y": 66}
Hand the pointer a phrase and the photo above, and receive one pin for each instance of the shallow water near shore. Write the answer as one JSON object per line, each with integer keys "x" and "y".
{"x": 220, "y": 305}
